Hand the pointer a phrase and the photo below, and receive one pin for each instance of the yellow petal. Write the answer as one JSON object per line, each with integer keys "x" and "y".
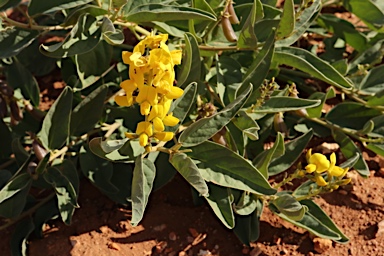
{"x": 152, "y": 95}
{"x": 144, "y": 127}
{"x": 164, "y": 136}
{"x": 320, "y": 181}
{"x": 130, "y": 135}
{"x": 122, "y": 101}
{"x": 174, "y": 93}
{"x": 170, "y": 120}
{"x": 176, "y": 57}
{"x": 310, "y": 168}
{"x": 142, "y": 96}
{"x": 158, "y": 124}
{"x": 145, "y": 107}
{"x": 154, "y": 112}
{"x": 143, "y": 139}
{"x": 126, "y": 57}
{"x": 321, "y": 162}
{"x": 308, "y": 155}
{"x": 128, "y": 85}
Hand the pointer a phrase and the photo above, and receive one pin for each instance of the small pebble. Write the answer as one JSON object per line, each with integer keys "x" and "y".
{"x": 321, "y": 245}
{"x": 172, "y": 236}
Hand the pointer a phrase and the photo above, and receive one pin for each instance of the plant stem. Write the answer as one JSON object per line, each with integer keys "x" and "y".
{"x": 133, "y": 26}
{"x": 11, "y": 22}
{"x": 344, "y": 130}
{"x": 28, "y": 212}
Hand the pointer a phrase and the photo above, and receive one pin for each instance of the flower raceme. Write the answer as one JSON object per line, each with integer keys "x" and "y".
{"x": 150, "y": 84}
{"x": 318, "y": 164}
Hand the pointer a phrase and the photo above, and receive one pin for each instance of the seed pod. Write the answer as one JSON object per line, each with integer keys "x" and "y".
{"x": 39, "y": 150}
{"x": 15, "y": 110}
{"x": 232, "y": 14}
{"x": 3, "y": 107}
{"x": 31, "y": 169}
{"x": 229, "y": 33}
{"x": 279, "y": 124}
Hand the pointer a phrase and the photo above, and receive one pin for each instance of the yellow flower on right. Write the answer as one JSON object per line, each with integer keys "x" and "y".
{"x": 318, "y": 163}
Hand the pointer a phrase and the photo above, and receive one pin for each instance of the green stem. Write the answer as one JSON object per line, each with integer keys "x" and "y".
{"x": 11, "y": 22}
{"x": 133, "y": 26}
{"x": 344, "y": 130}
{"x": 28, "y": 212}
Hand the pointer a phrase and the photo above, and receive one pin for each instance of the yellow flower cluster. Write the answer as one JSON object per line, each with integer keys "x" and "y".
{"x": 318, "y": 163}
{"x": 151, "y": 73}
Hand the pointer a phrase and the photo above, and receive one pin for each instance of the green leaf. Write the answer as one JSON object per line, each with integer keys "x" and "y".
{"x": 259, "y": 69}
{"x": 13, "y": 40}
{"x": 21, "y": 154}
{"x": 220, "y": 201}
{"x": 283, "y": 104}
{"x": 247, "y": 37}
{"x": 56, "y": 123}
{"x": 229, "y": 78}
{"x": 345, "y": 30}
{"x": 224, "y": 167}
{"x": 293, "y": 150}
{"x": 97, "y": 170}
{"x": 247, "y": 228}
{"x": 205, "y": 128}
{"x": 310, "y": 223}
{"x": 289, "y": 206}
{"x": 89, "y": 74}
{"x": 20, "y": 235}
{"x": 320, "y": 215}
{"x": 367, "y": 11}
{"x": 88, "y": 112}
{"x": 187, "y": 168}
{"x": 20, "y": 77}
{"x": 351, "y": 115}
{"x": 181, "y": 106}
{"x": 247, "y": 125}
{"x": 349, "y": 149}
{"x": 191, "y": 65}
{"x": 40, "y": 168}
{"x": 40, "y": 6}
{"x": 311, "y": 64}
{"x": 372, "y": 82}
{"x": 161, "y": 12}
{"x": 142, "y": 182}
{"x": 112, "y": 155}
{"x": 377, "y": 99}
{"x": 93, "y": 10}
{"x": 287, "y": 22}
{"x": 14, "y": 186}
{"x": 110, "y": 34}
{"x": 376, "y": 147}
{"x": 302, "y": 23}
{"x": 246, "y": 205}
{"x": 65, "y": 193}
{"x": 263, "y": 160}
{"x": 83, "y": 37}
{"x": 370, "y": 56}
{"x": 316, "y": 111}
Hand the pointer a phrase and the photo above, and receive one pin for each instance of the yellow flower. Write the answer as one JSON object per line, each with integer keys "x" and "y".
{"x": 316, "y": 162}
{"x": 129, "y": 87}
{"x": 159, "y": 117}
{"x": 336, "y": 170}
{"x": 320, "y": 181}
{"x": 164, "y": 136}
{"x": 144, "y": 130}
{"x": 147, "y": 97}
